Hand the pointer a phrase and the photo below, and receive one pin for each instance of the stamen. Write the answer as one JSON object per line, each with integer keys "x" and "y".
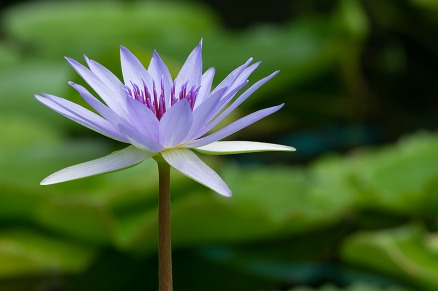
{"x": 157, "y": 102}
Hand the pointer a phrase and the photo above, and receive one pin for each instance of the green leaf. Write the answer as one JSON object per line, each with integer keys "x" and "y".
{"x": 73, "y": 28}
{"x": 354, "y": 287}
{"x": 396, "y": 178}
{"x": 25, "y": 252}
{"x": 77, "y": 219}
{"x": 19, "y": 82}
{"x": 353, "y": 19}
{"x": 401, "y": 252}
{"x": 8, "y": 54}
{"x": 426, "y": 4}
{"x": 276, "y": 200}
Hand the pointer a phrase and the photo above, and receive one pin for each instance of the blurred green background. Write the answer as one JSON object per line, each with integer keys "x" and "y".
{"x": 355, "y": 208}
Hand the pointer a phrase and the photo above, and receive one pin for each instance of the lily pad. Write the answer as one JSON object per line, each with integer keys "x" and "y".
{"x": 26, "y": 252}
{"x": 67, "y": 28}
{"x": 401, "y": 252}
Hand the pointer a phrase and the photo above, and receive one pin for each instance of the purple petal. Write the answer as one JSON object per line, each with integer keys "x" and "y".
{"x": 243, "y": 77}
{"x": 227, "y": 97}
{"x": 175, "y": 124}
{"x": 206, "y": 82}
{"x": 141, "y": 129}
{"x": 138, "y": 139}
{"x": 101, "y": 108}
{"x": 235, "y": 126}
{"x": 109, "y": 79}
{"x": 81, "y": 115}
{"x": 231, "y": 78}
{"x": 191, "y": 71}
{"x": 158, "y": 70}
{"x": 143, "y": 119}
{"x": 108, "y": 96}
{"x": 188, "y": 163}
{"x": 133, "y": 70}
{"x": 237, "y": 102}
{"x": 203, "y": 113}
{"x": 115, "y": 161}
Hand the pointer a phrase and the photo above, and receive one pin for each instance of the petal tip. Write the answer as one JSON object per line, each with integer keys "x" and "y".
{"x": 123, "y": 49}
{"x": 226, "y": 193}
{"x": 46, "y": 182}
{"x": 290, "y": 149}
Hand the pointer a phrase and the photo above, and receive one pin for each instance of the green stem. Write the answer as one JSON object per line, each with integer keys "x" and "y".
{"x": 164, "y": 229}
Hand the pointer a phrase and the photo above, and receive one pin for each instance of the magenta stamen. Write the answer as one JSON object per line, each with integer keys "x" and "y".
{"x": 157, "y": 102}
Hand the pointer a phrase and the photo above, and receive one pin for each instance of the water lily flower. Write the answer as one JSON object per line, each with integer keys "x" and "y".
{"x": 160, "y": 117}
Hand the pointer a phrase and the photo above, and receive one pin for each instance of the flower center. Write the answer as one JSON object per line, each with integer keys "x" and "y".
{"x": 157, "y": 101}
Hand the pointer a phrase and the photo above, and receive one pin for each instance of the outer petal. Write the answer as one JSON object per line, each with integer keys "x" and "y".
{"x": 191, "y": 71}
{"x": 231, "y": 78}
{"x": 133, "y": 70}
{"x": 102, "y": 89}
{"x": 239, "y": 147}
{"x": 208, "y": 110}
{"x": 141, "y": 129}
{"x": 238, "y": 84}
{"x": 204, "y": 113}
{"x": 101, "y": 108}
{"x": 117, "y": 160}
{"x": 206, "y": 82}
{"x": 175, "y": 124}
{"x": 81, "y": 115}
{"x": 238, "y": 101}
{"x": 111, "y": 81}
{"x": 242, "y": 78}
{"x": 235, "y": 126}
{"x": 189, "y": 164}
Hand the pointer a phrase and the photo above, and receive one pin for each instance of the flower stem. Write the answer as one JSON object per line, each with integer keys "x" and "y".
{"x": 164, "y": 229}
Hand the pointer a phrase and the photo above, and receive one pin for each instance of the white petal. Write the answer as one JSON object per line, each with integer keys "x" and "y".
{"x": 115, "y": 161}
{"x": 188, "y": 163}
{"x": 133, "y": 70}
{"x": 239, "y": 147}
{"x": 235, "y": 126}
{"x": 175, "y": 124}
